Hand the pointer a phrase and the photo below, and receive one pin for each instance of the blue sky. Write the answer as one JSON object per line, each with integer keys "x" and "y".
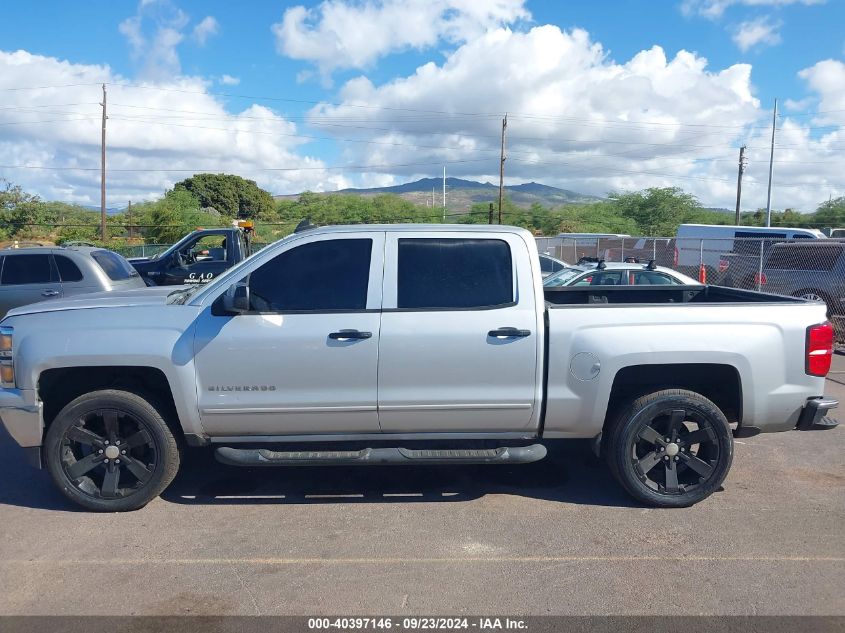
{"x": 351, "y": 93}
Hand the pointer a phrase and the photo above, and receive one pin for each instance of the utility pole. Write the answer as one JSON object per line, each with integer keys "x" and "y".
{"x": 740, "y": 171}
{"x": 129, "y": 213}
{"x": 502, "y": 166}
{"x": 444, "y": 193}
{"x": 103, "y": 171}
{"x": 490, "y": 214}
{"x": 771, "y": 167}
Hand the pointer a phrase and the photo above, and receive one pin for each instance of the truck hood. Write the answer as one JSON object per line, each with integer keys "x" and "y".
{"x": 156, "y": 295}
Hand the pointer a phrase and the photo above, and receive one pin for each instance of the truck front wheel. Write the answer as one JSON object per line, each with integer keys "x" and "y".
{"x": 670, "y": 449}
{"x": 111, "y": 451}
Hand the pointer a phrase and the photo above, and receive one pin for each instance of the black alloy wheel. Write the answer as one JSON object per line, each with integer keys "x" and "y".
{"x": 671, "y": 448}
{"x": 108, "y": 454}
{"x": 111, "y": 451}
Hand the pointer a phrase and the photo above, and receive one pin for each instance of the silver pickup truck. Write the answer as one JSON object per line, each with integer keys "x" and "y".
{"x": 405, "y": 345}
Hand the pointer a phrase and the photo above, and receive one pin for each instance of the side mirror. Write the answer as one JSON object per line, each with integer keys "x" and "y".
{"x": 236, "y": 299}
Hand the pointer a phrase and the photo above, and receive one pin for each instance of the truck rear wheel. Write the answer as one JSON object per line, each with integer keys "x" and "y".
{"x": 670, "y": 449}
{"x": 111, "y": 451}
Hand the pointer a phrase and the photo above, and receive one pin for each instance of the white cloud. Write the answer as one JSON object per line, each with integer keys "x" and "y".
{"x": 153, "y": 34}
{"x": 341, "y": 34}
{"x": 762, "y": 31}
{"x": 205, "y": 29}
{"x": 714, "y": 9}
{"x": 229, "y": 80}
{"x": 171, "y": 125}
{"x": 582, "y": 121}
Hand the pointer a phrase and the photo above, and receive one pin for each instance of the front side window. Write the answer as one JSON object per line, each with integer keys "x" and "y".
{"x": 444, "y": 273}
{"x": 208, "y": 248}
{"x": 318, "y": 276}
{"x": 600, "y": 278}
{"x": 26, "y": 269}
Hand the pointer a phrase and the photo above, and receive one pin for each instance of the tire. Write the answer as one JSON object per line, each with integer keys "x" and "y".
{"x": 699, "y": 457}
{"x": 111, "y": 451}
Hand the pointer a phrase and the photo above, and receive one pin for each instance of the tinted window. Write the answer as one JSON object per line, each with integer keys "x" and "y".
{"x": 648, "y": 277}
{"x": 609, "y": 278}
{"x": 549, "y": 265}
{"x": 68, "y": 271}
{"x": 114, "y": 265}
{"x": 325, "y": 275}
{"x": 748, "y": 242}
{"x": 454, "y": 273}
{"x": 802, "y": 258}
{"x": 26, "y": 269}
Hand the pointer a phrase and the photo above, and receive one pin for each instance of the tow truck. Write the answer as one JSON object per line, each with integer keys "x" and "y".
{"x": 199, "y": 257}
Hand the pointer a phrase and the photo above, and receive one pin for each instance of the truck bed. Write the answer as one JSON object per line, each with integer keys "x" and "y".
{"x": 602, "y": 295}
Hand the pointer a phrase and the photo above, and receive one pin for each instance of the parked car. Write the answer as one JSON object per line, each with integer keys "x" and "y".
{"x": 549, "y": 264}
{"x": 29, "y": 275}
{"x": 617, "y": 274}
{"x": 730, "y": 254}
{"x": 420, "y": 345}
{"x": 197, "y": 258}
{"x": 813, "y": 271}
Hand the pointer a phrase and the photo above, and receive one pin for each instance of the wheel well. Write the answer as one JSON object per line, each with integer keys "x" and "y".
{"x": 719, "y": 383}
{"x": 58, "y": 387}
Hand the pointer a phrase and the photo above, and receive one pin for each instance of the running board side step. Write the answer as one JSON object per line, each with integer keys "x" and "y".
{"x": 374, "y": 456}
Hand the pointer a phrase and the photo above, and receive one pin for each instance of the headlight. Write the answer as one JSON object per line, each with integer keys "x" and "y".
{"x": 7, "y": 364}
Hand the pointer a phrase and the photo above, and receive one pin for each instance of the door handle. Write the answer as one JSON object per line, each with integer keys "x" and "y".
{"x": 509, "y": 332}
{"x": 50, "y": 293}
{"x": 346, "y": 335}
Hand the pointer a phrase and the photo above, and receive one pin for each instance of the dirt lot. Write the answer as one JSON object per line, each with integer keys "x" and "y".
{"x": 556, "y": 537}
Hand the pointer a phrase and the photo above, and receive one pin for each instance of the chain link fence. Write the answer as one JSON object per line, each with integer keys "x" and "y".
{"x": 808, "y": 268}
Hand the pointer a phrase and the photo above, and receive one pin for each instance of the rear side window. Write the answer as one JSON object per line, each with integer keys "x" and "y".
{"x": 68, "y": 271}
{"x": 650, "y": 278}
{"x": 749, "y": 242}
{"x": 318, "y": 276}
{"x": 803, "y": 258}
{"x": 26, "y": 269}
{"x": 454, "y": 273}
{"x": 114, "y": 265}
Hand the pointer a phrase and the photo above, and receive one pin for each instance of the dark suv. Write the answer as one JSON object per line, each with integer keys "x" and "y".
{"x": 30, "y": 275}
{"x": 812, "y": 270}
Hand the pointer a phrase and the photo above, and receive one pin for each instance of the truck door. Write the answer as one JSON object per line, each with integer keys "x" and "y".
{"x": 304, "y": 359}
{"x": 459, "y": 335}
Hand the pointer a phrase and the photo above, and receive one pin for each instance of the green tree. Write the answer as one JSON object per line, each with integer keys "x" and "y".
{"x": 229, "y": 195}
{"x": 19, "y": 210}
{"x": 657, "y": 210}
{"x": 175, "y": 215}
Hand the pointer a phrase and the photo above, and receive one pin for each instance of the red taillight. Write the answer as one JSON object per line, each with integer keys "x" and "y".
{"x": 760, "y": 279}
{"x": 724, "y": 264}
{"x": 819, "y": 349}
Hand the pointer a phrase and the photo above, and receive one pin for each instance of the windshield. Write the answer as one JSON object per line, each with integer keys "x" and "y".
{"x": 562, "y": 277}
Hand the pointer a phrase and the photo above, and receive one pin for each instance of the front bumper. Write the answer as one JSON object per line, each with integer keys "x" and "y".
{"x": 21, "y": 414}
{"x": 813, "y": 416}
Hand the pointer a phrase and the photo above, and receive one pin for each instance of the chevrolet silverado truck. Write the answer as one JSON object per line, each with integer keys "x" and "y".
{"x": 406, "y": 344}
{"x": 198, "y": 257}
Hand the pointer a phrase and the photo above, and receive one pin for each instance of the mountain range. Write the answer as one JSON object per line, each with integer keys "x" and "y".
{"x": 462, "y": 194}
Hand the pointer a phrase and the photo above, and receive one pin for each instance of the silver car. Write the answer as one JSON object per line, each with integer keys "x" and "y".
{"x": 30, "y": 275}
{"x": 589, "y": 273}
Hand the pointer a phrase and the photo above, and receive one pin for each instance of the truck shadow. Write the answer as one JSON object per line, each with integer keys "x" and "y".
{"x": 569, "y": 474}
